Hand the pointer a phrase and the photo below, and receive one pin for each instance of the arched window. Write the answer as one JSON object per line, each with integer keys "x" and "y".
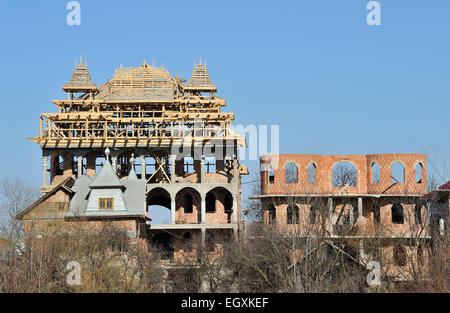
{"x": 188, "y": 203}
{"x": 272, "y": 214}
{"x": 292, "y": 214}
{"x": 399, "y": 255}
{"x": 375, "y": 173}
{"x": 291, "y": 173}
{"x": 397, "y": 214}
{"x": 418, "y": 213}
{"x": 397, "y": 173}
{"x": 344, "y": 174}
{"x": 187, "y": 241}
{"x": 210, "y": 203}
{"x": 312, "y": 173}
{"x": 312, "y": 215}
{"x": 418, "y": 170}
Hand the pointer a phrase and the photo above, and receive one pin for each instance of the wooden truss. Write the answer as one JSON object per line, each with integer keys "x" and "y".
{"x": 139, "y": 107}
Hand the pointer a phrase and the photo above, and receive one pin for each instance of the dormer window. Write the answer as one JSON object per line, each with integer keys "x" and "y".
{"x": 105, "y": 203}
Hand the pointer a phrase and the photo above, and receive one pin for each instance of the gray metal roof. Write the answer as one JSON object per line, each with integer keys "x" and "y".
{"x": 106, "y": 178}
{"x": 79, "y": 200}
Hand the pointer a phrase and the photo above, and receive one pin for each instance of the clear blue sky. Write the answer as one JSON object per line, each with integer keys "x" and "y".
{"x": 334, "y": 84}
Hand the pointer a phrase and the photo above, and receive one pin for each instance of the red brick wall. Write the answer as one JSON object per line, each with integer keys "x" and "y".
{"x": 325, "y": 164}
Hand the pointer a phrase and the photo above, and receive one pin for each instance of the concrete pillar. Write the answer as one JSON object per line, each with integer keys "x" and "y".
{"x": 235, "y": 212}
{"x": 352, "y": 218}
{"x": 235, "y": 232}
{"x": 330, "y": 216}
{"x": 235, "y": 171}
{"x": 360, "y": 230}
{"x": 203, "y": 236}
{"x": 203, "y": 208}
{"x": 360, "y": 212}
{"x": 202, "y": 169}
{"x": 44, "y": 170}
{"x": 172, "y": 167}
{"x": 142, "y": 167}
{"x": 114, "y": 163}
{"x": 80, "y": 165}
{"x": 172, "y": 209}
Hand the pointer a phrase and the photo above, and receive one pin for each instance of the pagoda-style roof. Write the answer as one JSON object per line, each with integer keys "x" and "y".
{"x": 80, "y": 80}
{"x": 200, "y": 79}
{"x": 139, "y": 83}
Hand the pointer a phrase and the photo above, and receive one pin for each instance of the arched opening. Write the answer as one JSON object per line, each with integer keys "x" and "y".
{"x": 158, "y": 206}
{"x": 418, "y": 172}
{"x": 210, "y": 202}
{"x": 397, "y": 173}
{"x": 312, "y": 174}
{"x": 187, "y": 242}
{"x": 397, "y": 214}
{"x": 291, "y": 173}
{"x": 292, "y": 214}
{"x": 188, "y": 203}
{"x": 344, "y": 174}
{"x": 164, "y": 242}
{"x": 375, "y": 173}
{"x": 61, "y": 163}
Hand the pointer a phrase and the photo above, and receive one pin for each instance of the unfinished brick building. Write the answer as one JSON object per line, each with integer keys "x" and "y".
{"x": 371, "y": 202}
{"x": 141, "y": 139}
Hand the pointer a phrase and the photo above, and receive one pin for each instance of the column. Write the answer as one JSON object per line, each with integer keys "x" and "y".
{"x": 360, "y": 232}
{"x": 352, "y": 218}
{"x": 235, "y": 171}
{"x": 172, "y": 167}
{"x": 202, "y": 169}
{"x": 235, "y": 215}
{"x": 203, "y": 209}
{"x": 203, "y": 236}
{"x": 114, "y": 163}
{"x": 330, "y": 216}
{"x": 44, "y": 170}
{"x": 360, "y": 211}
{"x": 142, "y": 167}
{"x": 80, "y": 165}
{"x": 172, "y": 209}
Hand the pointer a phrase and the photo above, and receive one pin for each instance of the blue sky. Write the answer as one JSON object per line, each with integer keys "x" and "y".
{"x": 334, "y": 84}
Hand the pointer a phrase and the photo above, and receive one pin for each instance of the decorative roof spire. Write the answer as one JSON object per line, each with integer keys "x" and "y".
{"x": 132, "y": 175}
{"x": 81, "y": 79}
{"x": 106, "y": 178}
{"x": 200, "y": 79}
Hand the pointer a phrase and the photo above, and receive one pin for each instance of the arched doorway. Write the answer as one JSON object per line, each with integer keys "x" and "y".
{"x": 158, "y": 206}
